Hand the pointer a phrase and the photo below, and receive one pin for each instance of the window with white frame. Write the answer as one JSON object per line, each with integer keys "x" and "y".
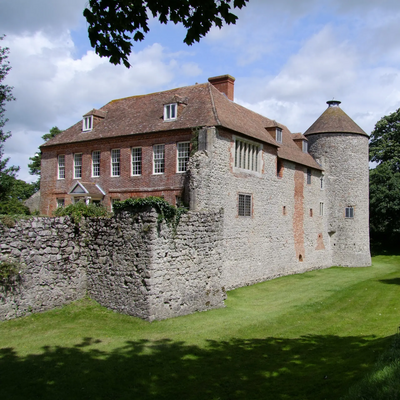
{"x": 244, "y": 205}
{"x": 136, "y": 161}
{"x": 279, "y": 135}
{"x": 158, "y": 159}
{"x": 305, "y": 146}
{"x": 78, "y": 165}
{"x": 170, "y": 112}
{"x": 115, "y": 162}
{"x": 96, "y": 163}
{"x": 308, "y": 176}
{"x": 183, "y": 152}
{"x": 61, "y": 167}
{"x": 246, "y": 155}
{"x": 321, "y": 208}
{"x": 60, "y": 203}
{"x": 87, "y": 123}
{"x": 349, "y": 212}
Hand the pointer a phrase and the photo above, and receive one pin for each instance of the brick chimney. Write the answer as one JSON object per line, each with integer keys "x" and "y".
{"x": 225, "y": 84}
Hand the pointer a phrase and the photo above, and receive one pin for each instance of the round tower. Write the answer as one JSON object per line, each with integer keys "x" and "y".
{"x": 340, "y": 146}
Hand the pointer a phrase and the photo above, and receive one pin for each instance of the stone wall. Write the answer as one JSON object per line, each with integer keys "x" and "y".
{"x": 131, "y": 264}
{"x": 282, "y": 226}
{"x": 154, "y": 271}
{"x": 52, "y": 263}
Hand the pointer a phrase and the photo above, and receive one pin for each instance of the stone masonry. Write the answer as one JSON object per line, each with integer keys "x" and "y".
{"x": 131, "y": 264}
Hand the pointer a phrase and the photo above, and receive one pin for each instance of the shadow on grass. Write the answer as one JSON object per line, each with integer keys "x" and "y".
{"x": 394, "y": 281}
{"x": 310, "y": 367}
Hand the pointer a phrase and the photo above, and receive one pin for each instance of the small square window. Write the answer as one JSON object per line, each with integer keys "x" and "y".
{"x": 349, "y": 212}
{"x": 170, "y": 112}
{"x": 244, "y": 206}
{"x": 60, "y": 203}
{"x": 87, "y": 123}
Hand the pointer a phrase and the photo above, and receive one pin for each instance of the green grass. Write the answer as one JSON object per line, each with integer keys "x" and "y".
{"x": 308, "y": 336}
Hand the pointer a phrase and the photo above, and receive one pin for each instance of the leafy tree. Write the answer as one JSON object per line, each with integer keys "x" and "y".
{"x": 385, "y": 181}
{"x": 113, "y": 24}
{"x": 34, "y": 166}
{"x": 6, "y": 173}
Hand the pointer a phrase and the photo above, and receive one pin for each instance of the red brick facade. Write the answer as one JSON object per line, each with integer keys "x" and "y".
{"x": 169, "y": 185}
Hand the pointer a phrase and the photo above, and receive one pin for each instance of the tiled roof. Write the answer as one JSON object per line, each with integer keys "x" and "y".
{"x": 199, "y": 105}
{"x": 334, "y": 120}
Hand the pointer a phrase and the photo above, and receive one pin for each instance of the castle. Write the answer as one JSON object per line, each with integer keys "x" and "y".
{"x": 291, "y": 202}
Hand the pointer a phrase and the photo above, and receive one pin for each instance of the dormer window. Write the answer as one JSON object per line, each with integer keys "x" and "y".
{"x": 279, "y": 135}
{"x": 87, "y": 123}
{"x": 170, "y": 112}
{"x": 305, "y": 146}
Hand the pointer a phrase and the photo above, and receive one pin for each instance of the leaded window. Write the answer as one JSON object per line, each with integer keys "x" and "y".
{"x": 244, "y": 206}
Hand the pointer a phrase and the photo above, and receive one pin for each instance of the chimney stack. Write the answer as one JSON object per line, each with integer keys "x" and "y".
{"x": 225, "y": 84}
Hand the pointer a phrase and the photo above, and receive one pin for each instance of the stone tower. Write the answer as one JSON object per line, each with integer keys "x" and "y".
{"x": 340, "y": 146}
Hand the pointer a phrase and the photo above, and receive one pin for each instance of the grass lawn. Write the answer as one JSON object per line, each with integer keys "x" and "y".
{"x": 308, "y": 336}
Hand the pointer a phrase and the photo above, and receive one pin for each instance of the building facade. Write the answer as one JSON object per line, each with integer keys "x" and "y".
{"x": 291, "y": 202}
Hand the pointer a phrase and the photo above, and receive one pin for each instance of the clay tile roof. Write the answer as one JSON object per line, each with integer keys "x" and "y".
{"x": 96, "y": 113}
{"x": 202, "y": 105}
{"x": 298, "y": 136}
{"x": 334, "y": 120}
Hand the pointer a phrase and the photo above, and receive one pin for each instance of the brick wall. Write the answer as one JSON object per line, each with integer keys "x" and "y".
{"x": 167, "y": 185}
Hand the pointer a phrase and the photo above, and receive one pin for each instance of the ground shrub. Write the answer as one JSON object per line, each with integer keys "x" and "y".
{"x": 166, "y": 211}
{"x": 78, "y": 210}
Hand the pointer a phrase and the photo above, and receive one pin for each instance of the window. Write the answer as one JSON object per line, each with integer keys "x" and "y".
{"x": 284, "y": 210}
{"x": 87, "y": 123}
{"x": 246, "y": 155}
{"x": 311, "y": 212}
{"x": 60, "y": 203}
{"x": 137, "y": 161}
{"x": 158, "y": 159}
{"x": 183, "y": 151}
{"x": 308, "y": 176}
{"x": 322, "y": 182}
{"x": 78, "y": 165}
{"x": 96, "y": 163}
{"x": 61, "y": 167}
{"x": 349, "y": 212}
{"x": 170, "y": 112}
{"x": 244, "y": 207}
{"x": 279, "y": 135}
{"x": 321, "y": 208}
{"x": 115, "y": 162}
{"x": 279, "y": 168}
{"x": 305, "y": 146}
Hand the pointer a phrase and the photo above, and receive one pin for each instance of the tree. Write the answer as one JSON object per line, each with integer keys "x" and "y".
{"x": 7, "y": 174}
{"x": 34, "y": 166}
{"x": 113, "y": 24}
{"x": 385, "y": 180}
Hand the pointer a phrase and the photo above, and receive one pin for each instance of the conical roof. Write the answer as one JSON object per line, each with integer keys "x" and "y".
{"x": 334, "y": 120}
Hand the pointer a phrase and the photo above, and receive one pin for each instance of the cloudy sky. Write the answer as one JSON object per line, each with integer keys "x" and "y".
{"x": 288, "y": 58}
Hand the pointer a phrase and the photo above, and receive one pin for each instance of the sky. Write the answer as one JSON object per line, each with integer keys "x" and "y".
{"x": 288, "y": 57}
